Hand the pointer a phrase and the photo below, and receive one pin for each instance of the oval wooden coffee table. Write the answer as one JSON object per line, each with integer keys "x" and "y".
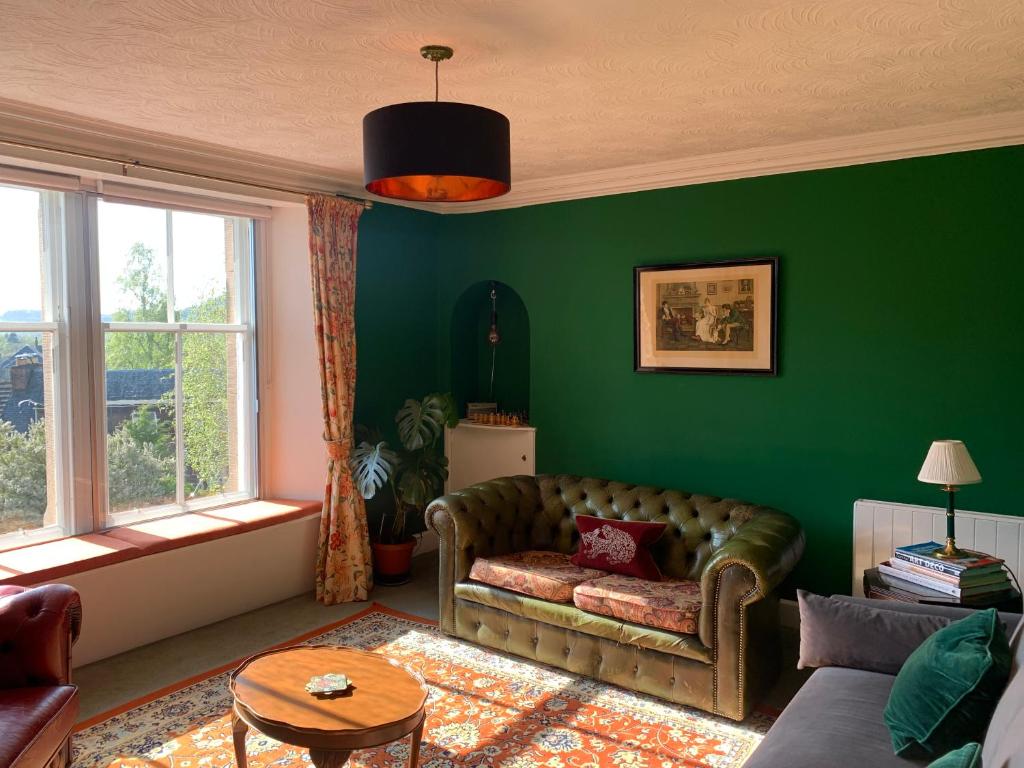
{"x": 384, "y": 703}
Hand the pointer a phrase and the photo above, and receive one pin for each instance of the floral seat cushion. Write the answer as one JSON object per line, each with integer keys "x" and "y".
{"x": 546, "y": 575}
{"x": 672, "y": 604}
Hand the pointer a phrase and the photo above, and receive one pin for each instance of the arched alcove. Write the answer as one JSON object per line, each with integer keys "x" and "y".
{"x": 471, "y": 358}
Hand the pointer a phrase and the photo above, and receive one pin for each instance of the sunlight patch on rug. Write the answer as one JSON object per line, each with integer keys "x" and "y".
{"x": 484, "y": 709}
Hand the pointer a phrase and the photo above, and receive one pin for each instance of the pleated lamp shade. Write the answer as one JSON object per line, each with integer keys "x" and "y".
{"x": 949, "y": 463}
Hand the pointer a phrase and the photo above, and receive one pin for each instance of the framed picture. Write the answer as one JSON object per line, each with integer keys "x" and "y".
{"x": 707, "y": 317}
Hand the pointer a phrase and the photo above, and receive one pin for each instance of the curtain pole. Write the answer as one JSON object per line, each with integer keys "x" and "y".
{"x": 127, "y": 164}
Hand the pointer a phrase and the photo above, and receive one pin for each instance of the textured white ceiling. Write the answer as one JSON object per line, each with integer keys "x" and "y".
{"x": 587, "y": 84}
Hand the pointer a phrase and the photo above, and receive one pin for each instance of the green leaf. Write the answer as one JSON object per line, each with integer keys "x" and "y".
{"x": 444, "y": 402}
{"x": 420, "y": 478}
{"x": 420, "y": 423}
{"x": 415, "y": 489}
{"x": 371, "y": 466}
{"x": 435, "y": 465}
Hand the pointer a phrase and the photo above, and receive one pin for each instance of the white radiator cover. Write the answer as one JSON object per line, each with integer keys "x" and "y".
{"x": 879, "y": 526}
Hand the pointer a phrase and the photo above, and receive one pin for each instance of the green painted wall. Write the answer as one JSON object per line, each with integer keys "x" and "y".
{"x": 899, "y": 323}
{"x": 396, "y": 310}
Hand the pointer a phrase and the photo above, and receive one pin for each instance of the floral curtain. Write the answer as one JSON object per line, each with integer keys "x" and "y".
{"x": 344, "y": 571}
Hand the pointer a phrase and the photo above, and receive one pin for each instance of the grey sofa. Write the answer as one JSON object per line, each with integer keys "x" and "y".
{"x": 835, "y": 720}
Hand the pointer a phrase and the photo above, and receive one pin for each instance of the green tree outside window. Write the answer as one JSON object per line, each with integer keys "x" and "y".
{"x": 141, "y": 455}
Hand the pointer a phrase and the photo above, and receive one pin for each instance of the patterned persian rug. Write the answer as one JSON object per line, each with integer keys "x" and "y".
{"x": 485, "y": 709}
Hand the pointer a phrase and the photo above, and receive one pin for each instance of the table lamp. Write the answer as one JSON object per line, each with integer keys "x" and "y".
{"x": 949, "y": 464}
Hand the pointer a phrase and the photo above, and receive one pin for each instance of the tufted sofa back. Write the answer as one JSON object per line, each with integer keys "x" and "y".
{"x": 540, "y": 513}
{"x": 37, "y": 627}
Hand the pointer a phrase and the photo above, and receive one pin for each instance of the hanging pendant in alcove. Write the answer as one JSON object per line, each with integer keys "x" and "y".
{"x": 493, "y": 337}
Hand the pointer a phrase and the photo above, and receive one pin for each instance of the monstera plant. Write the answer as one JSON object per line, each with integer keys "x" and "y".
{"x": 414, "y": 474}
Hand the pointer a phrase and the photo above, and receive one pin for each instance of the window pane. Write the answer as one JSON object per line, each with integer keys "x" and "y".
{"x": 141, "y": 466}
{"x": 205, "y": 271}
{"x": 133, "y": 262}
{"x": 28, "y": 496}
{"x": 211, "y": 424}
{"x": 161, "y": 266}
{"x": 21, "y": 289}
{"x": 207, "y": 253}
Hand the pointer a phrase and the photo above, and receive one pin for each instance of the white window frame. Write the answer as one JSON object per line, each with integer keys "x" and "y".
{"x": 248, "y": 450}
{"x": 70, "y": 267}
{"x": 53, "y": 259}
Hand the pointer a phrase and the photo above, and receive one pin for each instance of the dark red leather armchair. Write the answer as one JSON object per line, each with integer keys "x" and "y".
{"x": 38, "y": 704}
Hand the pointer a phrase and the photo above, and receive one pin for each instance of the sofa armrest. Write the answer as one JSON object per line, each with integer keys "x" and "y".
{"x": 739, "y": 616}
{"x": 489, "y": 518}
{"x": 768, "y": 547}
{"x": 494, "y": 517}
{"x": 38, "y": 626}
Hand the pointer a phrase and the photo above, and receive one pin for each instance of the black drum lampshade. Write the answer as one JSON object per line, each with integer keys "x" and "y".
{"x": 436, "y": 151}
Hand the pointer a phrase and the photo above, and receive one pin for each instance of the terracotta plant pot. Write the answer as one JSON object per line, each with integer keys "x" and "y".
{"x": 392, "y": 563}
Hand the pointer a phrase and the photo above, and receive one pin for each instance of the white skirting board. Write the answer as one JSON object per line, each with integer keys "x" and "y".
{"x": 879, "y": 526}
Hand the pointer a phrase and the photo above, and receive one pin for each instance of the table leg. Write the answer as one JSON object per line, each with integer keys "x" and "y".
{"x": 238, "y": 730}
{"x": 325, "y": 758}
{"x": 414, "y": 747}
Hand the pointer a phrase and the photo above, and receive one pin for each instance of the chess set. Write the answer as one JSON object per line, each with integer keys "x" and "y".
{"x": 499, "y": 419}
{"x": 489, "y": 415}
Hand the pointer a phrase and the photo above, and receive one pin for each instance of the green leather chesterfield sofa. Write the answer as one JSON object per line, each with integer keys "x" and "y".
{"x": 737, "y": 552}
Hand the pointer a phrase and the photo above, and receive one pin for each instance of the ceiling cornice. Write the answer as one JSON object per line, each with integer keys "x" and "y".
{"x": 62, "y": 131}
{"x": 997, "y": 130}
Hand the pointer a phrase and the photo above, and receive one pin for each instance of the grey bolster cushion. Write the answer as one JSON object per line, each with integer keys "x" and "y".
{"x": 840, "y": 633}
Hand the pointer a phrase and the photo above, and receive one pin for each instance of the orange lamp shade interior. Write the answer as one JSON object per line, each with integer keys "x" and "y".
{"x": 438, "y": 189}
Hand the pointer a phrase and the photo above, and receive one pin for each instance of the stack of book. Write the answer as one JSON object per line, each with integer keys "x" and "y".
{"x": 974, "y": 578}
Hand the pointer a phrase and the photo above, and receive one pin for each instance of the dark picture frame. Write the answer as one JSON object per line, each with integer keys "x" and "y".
{"x": 683, "y": 325}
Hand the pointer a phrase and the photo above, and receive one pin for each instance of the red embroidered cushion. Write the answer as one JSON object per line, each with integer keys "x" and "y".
{"x": 618, "y": 546}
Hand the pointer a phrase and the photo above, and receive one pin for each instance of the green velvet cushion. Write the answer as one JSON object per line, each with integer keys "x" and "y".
{"x": 945, "y": 693}
{"x": 968, "y": 756}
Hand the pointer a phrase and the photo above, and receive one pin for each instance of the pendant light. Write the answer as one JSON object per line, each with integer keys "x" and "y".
{"x": 436, "y": 151}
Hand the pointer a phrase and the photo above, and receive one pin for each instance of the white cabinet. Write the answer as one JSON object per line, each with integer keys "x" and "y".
{"x": 477, "y": 452}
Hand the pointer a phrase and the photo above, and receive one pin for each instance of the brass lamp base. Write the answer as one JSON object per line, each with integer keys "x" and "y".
{"x": 950, "y": 551}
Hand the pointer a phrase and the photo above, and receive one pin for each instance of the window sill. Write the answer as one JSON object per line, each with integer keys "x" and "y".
{"x": 51, "y": 560}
